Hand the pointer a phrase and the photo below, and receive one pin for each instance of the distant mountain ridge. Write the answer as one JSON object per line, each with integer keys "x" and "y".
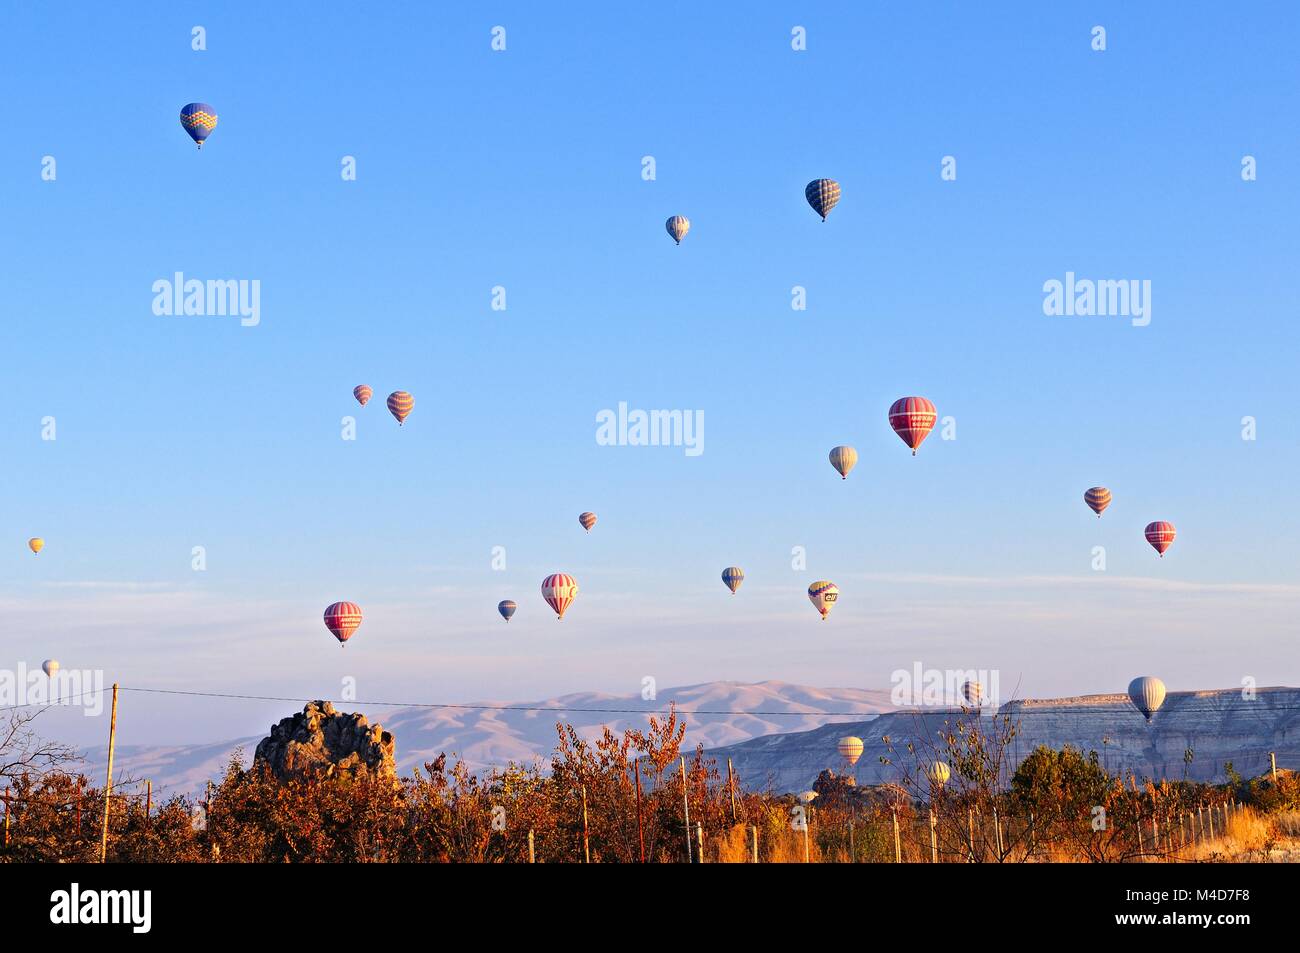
{"x": 497, "y": 732}
{"x": 1217, "y": 726}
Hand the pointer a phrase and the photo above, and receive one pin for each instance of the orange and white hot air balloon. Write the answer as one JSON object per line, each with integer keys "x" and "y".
{"x": 912, "y": 419}
{"x": 1097, "y": 498}
{"x": 362, "y": 393}
{"x": 588, "y": 520}
{"x": 850, "y": 749}
{"x": 1160, "y": 535}
{"x": 844, "y": 459}
{"x": 36, "y": 544}
{"x": 342, "y": 619}
{"x": 559, "y": 590}
{"x": 400, "y": 404}
{"x": 823, "y": 594}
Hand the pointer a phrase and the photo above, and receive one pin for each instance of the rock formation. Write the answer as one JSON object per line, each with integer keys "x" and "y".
{"x": 320, "y": 742}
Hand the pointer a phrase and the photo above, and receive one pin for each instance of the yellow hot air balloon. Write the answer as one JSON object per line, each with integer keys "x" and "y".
{"x": 36, "y": 544}
{"x": 938, "y": 772}
{"x": 850, "y": 749}
{"x": 844, "y": 459}
{"x": 823, "y": 594}
{"x": 677, "y": 227}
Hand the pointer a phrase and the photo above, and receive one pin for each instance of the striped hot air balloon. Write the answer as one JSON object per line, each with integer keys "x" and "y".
{"x": 1097, "y": 498}
{"x": 400, "y": 404}
{"x": 912, "y": 419}
{"x": 1147, "y": 693}
{"x": 507, "y": 608}
{"x": 342, "y": 619}
{"x": 732, "y": 577}
{"x": 823, "y": 594}
{"x": 823, "y": 195}
{"x": 1160, "y": 535}
{"x": 973, "y": 692}
{"x": 850, "y": 749}
{"x": 559, "y": 590}
{"x": 844, "y": 459}
{"x": 51, "y": 667}
{"x": 362, "y": 393}
{"x": 588, "y": 520}
{"x": 677, "y": 227}
{"x": 198, "y": 119}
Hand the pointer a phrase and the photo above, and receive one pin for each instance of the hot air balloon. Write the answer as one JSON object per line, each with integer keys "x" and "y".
{"x": 807, "y": 797}
{"x": 507, "y": 608}
{"x": 36, "y": 544}
{"x": 938, "y": 772}
{"x": 1160, "y": 535}
{"x": 400, "y": 404}
{"x": 199, "y": 119}
{"x": 733, "y": 576}
{"x": 362, "y": 393}
{"x": 850, "y": 749}
{"x": 559, "y": 590}
{"x": 973, "y": 692}
{"x": 588, "y": 520}
{"x": 822, "y": 195}
{"x": 823, "y": 595}
{"x": 912, "y": 419}
{"x": 1097, "y": 498}
{"x": 844, "y": 459}
{"x": 1147, "y": 694}
{"x": 51, "y": 667}
{"x": 677, "y": 227}
{"x": 342, "y": 619}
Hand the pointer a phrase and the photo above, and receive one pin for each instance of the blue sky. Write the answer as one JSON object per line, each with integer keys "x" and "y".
{"x": 523, "y": 169}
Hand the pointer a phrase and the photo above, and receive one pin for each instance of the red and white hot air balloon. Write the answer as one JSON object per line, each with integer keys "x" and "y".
{"x": 912, "y": 419}
{"x": 588, "y": 520}
{"x": 362, "y": 393}
{"x": 342, "y": 619}
{"x": 1097, "y": 498}
{"x": 1160, "y": 535}
{"x": 559, "y": 590}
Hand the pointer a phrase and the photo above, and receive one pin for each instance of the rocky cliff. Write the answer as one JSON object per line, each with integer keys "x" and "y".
{"x": 320, "y": 742}
{"x": 1218, "y": 726}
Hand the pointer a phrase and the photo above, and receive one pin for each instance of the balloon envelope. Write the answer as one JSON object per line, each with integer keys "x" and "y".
{"x": 342, "y": 619}
{"x": 400, "y": 404}
{"x": 1160, "y": 535}
{"x": 677, "y": 227}
{"x": 844, "y": 459}
{"x": 938, "y": 772}
{"x": 588, "y": 520}
{"x": 1097, "y": 498}
{"x": 732, "y": 577}
{"x": 362, "y": 393}
{"x": 36, "y": 544}
{"x": 973, "y": 692}
{"x": 559, "y": 590}
{"x": 912, "y": 419}
{"x": 823, "y": 195}
{"x": 51, "y": 667}
{"x": 507, "y": 608}
{"x": 1147, "y": 694}
{"x": 850, "y": 749}
{"x": 823, "y": 594}
{"x": 199, "y": 119}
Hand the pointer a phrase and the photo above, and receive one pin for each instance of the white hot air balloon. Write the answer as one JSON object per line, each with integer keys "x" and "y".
{"x": 938, "y": 772}
{"x": 850, "y": 749}
{"x": 1147, "y": 694}
{"x": 973, "y": 692}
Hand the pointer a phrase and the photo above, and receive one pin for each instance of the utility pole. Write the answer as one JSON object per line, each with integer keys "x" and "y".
{"x": 753, "y": 842}
{"x": 1272, "y": 760}
{"x": 699, "y": 840}
{"x": 898, "y": 845}
{"x": 532, "y": 856}
{"x": 934, "y": 840}
{"x": 686, "y": 801}
{"x": 586, "y": 845}
{"x": 108, "y": 785}
{"x": 640, "y": 828}
{"x": 731, "y": 787}
{"x": 148, "y": 802}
